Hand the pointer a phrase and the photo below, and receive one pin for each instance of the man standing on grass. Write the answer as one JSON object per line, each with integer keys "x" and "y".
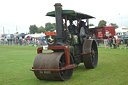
{"x": 114, "y": 42}
{"x": 105, "y": 41}
{"x": 110, "y": 40}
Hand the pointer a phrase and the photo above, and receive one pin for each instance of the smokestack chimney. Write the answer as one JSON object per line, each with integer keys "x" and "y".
{"x": 58, "y": 15}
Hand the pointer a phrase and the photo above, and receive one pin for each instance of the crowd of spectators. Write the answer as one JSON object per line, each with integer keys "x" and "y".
{"x": 22, "y": 41}
{"x": 109, "y": 41}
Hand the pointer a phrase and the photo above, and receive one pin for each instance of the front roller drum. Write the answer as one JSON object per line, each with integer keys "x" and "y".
{"x": 55, "y": 60}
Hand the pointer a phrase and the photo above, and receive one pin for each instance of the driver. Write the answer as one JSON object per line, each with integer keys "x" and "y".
{"x": 72, "y": 28}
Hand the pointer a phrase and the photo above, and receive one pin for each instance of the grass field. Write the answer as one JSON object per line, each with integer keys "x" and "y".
{"x": 15, "y": 62}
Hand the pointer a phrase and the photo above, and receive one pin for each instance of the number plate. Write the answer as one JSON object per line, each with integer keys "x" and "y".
{"x": 45, "y": 72}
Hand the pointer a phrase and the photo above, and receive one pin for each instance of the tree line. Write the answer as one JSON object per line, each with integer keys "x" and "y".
{"x": 103, "y": 23}
{"x": 50, "y": 27}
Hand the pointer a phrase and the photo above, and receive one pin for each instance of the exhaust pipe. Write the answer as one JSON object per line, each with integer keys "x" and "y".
{"x": 58, "y": 15}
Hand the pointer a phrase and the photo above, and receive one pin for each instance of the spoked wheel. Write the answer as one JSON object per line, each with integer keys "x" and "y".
{"x": 54, "y": 60}
{"x": 91, "y": 59}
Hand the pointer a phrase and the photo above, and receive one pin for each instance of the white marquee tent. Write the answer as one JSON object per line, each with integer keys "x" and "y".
{"x": 121, "y": 31}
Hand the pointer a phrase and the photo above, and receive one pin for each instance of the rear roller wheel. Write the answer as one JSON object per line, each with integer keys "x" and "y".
{"x": 91, "y": 59}
{"x": 54, "y": 60}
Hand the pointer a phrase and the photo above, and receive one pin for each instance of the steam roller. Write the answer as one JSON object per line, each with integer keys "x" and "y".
{"x": 68, "y": 47}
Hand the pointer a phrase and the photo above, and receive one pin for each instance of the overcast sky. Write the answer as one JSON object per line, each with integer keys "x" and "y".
{"x": 23, "y": 13}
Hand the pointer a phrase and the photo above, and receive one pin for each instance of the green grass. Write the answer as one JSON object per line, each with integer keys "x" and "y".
{"x": 15, "y": 62}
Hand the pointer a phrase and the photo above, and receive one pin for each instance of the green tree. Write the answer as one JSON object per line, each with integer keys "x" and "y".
{"x": 49, "y": 27}
{"x": 54, "y": 26}
{"x": 41, "y": 29}
{"x": 102, "y": 23}
{"x": 114, "y": 24}
{"x": 91, "y": 24}
{"x": 17, "y": 32}
{"x": 33, "y": 29}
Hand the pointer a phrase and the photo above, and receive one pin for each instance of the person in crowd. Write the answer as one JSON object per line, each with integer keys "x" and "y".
{"x": 105, "y": 41}
{"x": 110, "y": 40}
{"x": 28, "y": 40}
{"x": 94, "y": 36}
{"x": 114, "y": 42}
{"x": 20, "y": 40}
{"x": 118, "y": 42}
{"x": 8, "y": 41}
{"x": 16, "y": 40}
{"x": 99, "y": 41}
{"x": 126, "y": 44}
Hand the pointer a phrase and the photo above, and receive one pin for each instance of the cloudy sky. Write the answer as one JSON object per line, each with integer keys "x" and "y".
{"x": 21, "y": 14}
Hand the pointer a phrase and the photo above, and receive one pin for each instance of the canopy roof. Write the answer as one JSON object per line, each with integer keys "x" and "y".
{"x": 71, "y": 14}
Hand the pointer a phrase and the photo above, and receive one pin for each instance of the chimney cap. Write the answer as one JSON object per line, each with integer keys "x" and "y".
{"x": 58, "y": 5}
